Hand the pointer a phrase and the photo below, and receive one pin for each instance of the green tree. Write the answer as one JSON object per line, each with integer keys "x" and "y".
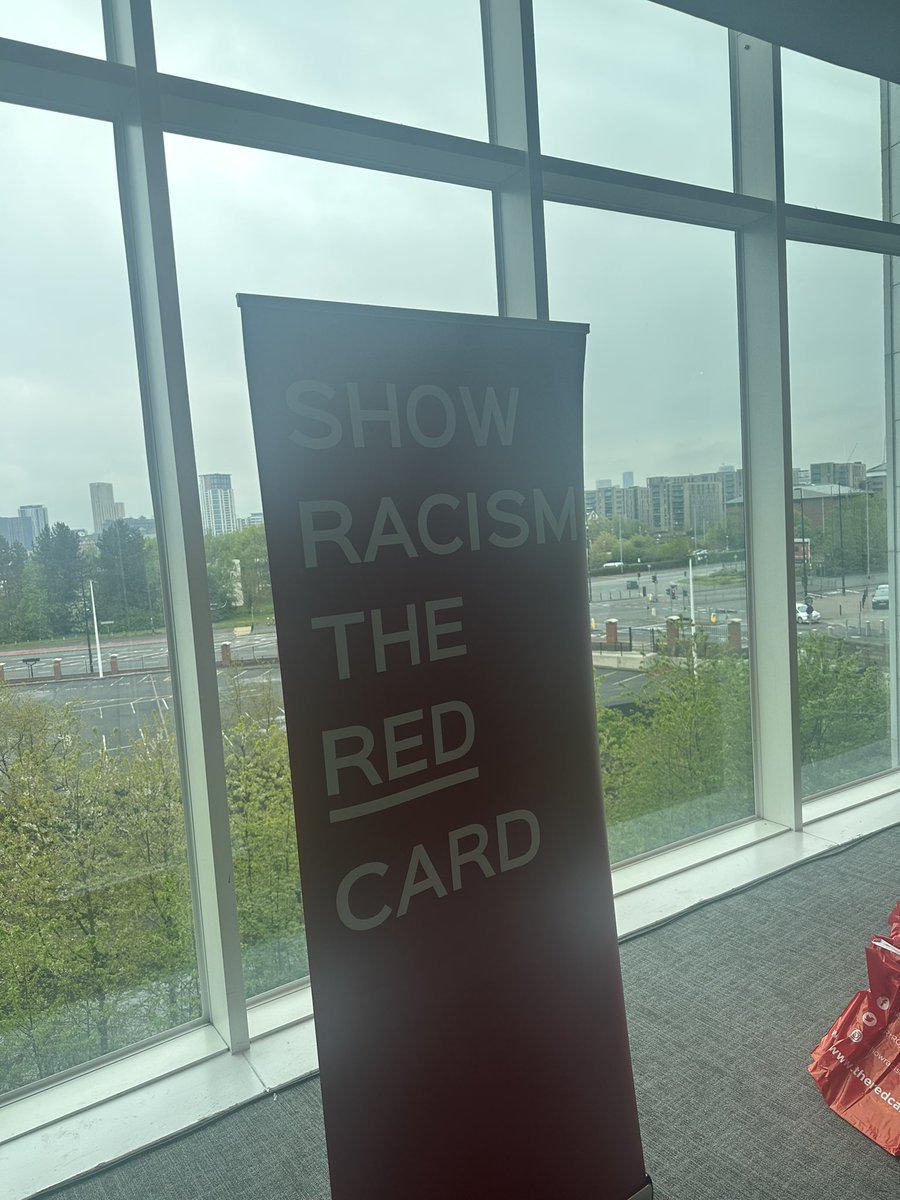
{"x": 13, "y": 560}
{"x": 95, "y": 929}
{"x": 844, "y": 700}
{"x": 681, "y": 762}
{"x": 263, "y": 837}
{"x": 121, "y": 583}
{"x": 222, "y": 575}
{"x": 58, "y": 577}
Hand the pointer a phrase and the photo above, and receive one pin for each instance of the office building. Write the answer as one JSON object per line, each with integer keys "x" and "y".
{"x": 103, "y": 506}
{"x": 217, "y": 504}
{"x": 848, "y": 475}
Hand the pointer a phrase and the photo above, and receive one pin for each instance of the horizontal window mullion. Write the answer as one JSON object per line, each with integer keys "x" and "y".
{"x": 39, "y": 77}
{"x": 837, "y": 229}
{"x": 592, "y": 186}
{"x": 210, "y": 111}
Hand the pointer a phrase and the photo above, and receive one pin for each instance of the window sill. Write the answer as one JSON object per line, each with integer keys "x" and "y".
{"x": 117, "y": 1109}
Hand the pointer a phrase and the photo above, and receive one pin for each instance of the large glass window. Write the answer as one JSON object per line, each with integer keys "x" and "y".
{"x": 73, "y": 25}
{"x": 832, "y": 136}
{"x": 628, "y": 84}
{"x": 398, "y": 60}
{"x": 665, "y": 518}
{"x": 97, "y": 924}
{"x": 247, "y": 221}
{"x": 96, "y": 932}
{"x": 836, "y": 301}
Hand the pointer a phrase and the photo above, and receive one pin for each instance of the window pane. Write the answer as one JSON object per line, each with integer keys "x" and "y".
{"x": 632, "y": 85}
{"x": 96, "y": 942}
{"x": 398, "y": 60}
{"x": 248, "y": 221}
{"x": 73, "y": 25}
{"x": 662, "y": 455}
{"x": 840, "y": 526}
{"x": 832, "y": 136}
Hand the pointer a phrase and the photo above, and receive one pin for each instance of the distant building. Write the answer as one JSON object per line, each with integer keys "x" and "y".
{"x": 37, "y": 515}
{"x": 848, "y": 475}
{"x": 604, "y": 483}
{"x": 876, "y": 479}
{"x": 103, "y": 506}
{"x": 144, "y": 525}
{"x": 16, "y": 529}
{"x": 253, "y": 519}
{"x": 695, "y": 502}
{"x": 629, "y": 503}
{"x": 799, "y": 475}
{"x": 120, "y": 511}
{"x": 217, "y": 504}
{"x": 627, "y": 479}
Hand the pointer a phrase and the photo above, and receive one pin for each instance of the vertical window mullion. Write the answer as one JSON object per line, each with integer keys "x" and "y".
{"x": 511, "y": 84}
{"x": 765, "y": 406}
{"x": 890, "y": 160}
{"x": 143, "y": 190}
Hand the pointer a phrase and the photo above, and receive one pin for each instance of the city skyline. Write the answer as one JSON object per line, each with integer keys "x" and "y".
{"x": 825, "y": 472}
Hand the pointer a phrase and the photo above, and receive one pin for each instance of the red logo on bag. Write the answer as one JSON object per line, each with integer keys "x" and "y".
{"x": 883, "y": 1002}
{"x": 869, "y": 1019}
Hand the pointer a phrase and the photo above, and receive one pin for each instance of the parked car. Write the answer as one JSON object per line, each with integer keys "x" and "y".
{"x": 882, "y": 596}
{"x": 804, "y": 617}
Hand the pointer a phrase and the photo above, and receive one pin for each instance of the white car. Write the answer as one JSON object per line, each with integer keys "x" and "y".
{"x": 805, "y": 618}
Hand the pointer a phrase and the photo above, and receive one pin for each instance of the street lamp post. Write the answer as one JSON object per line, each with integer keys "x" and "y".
{"x": 96, "y": 631}
{"x": 841, "y": 536}
{"x": 87, "y": 628}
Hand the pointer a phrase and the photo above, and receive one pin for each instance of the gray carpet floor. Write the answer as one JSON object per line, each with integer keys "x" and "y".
{"x": 724, "y": 1004}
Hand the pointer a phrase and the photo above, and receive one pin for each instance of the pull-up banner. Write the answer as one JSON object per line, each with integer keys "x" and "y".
{"x": 422, "y": 493}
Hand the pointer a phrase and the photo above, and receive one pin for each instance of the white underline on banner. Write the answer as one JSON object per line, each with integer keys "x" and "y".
{"x": 413, "y": 793}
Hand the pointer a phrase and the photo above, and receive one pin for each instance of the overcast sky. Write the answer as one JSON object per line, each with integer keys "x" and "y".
{"x": 623, "y": 82}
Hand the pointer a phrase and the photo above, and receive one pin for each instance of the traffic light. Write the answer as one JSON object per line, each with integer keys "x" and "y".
{"x": 653, "y": 577}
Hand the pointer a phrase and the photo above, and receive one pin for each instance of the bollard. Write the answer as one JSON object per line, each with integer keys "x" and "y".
{"x": 114, "y": 664}
{"x": 612, "y": 632}
{"x": 734, "y": 633}
{"x": 2, "y": 672}
{"x": 868, "y": 628}
{"x": 226, "y": 654}
{"x": 673, "y": 630}
{"x": 57, "y": 668}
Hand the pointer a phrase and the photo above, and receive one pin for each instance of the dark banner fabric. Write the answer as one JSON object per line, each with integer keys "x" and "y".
{"x": 422, "y": 492}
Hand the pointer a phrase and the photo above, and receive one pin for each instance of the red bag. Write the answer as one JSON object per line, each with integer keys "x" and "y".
{"x": 856, "y": 1065}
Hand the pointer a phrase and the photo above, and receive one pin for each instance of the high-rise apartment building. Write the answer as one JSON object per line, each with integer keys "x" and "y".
{"x": 103, "y": 505}
{"x": 16, "y": 529}
{"x": 695, "y": 502}
{"x": 217, "y": 504}
{"x": 39, "y": 518}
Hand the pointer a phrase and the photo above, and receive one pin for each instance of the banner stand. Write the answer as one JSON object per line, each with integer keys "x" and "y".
{"x": 422, "y": 489}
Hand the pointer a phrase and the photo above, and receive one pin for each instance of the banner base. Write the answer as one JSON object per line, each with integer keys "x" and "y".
{"x": 646, "y": 1192}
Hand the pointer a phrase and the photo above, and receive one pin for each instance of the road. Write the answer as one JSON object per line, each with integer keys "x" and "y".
{"x": 119, "y": 707}
{"x": 610, "y": 597}
{"x": 141, "y": 654}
